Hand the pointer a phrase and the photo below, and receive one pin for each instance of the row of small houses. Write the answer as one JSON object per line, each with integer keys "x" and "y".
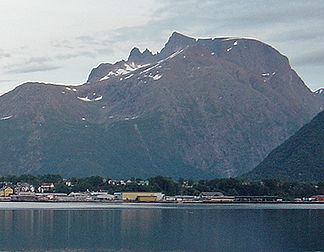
{"x": 25, "y": 187}
{"x": 49, "y": 187}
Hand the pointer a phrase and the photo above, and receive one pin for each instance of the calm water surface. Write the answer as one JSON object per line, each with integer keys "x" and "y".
{"x": 133, "y": 227}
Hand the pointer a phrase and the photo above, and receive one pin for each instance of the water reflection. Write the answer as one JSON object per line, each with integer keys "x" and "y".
{"x": 189, "y": 229}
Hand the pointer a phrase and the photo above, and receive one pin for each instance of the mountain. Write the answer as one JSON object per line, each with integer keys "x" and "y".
{"x": 197, "y": 108}
{"x": 300, "y": 157}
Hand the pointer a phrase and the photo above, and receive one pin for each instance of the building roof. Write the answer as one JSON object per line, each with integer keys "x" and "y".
{"x": 211, "y": 194}
{"x": 47, "y": 184}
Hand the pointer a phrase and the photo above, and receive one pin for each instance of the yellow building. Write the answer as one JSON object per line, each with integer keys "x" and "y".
{"x": 146, "y": 198}
{"x": 139, "y": 196}
{"x": 6, "y": 191}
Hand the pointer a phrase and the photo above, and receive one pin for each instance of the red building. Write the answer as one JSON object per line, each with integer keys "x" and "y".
{"x": 318, "y": 197}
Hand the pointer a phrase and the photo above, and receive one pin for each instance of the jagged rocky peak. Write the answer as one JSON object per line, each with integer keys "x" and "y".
{"x": 134, "y": 53}
{"x": 147, "y": 52}
{"x": 175, "y": 43}
{"x": 140, "y": 57}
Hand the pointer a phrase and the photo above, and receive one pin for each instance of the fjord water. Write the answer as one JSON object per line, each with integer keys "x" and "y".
{"x": 163, "y": 227}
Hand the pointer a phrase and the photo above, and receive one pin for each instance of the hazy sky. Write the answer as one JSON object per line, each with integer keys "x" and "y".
{"x": 61, "y": 41}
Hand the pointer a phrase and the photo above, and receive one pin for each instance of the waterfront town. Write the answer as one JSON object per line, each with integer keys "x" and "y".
{"x": 50, "y": 192}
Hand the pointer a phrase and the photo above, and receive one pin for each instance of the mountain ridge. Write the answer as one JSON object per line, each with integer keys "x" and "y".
{"x": 206, "y": 107}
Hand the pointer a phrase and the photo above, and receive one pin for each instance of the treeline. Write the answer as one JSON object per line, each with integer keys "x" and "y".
{"x": 169, "y": 186}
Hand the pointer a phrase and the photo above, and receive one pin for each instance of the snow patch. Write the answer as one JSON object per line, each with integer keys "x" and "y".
{"x": 157, "y": 76}
{"x": 173, "y": 55}
{"x": 265, "y": 74}
{"x": 228, "y": 49}
{"x": 104, "y": 78}
{"x": 87, "y": 99}
{"x": 212, "y": 53}
{"x": 74, "y": 89}
{"x": 126, "y": 69}
{"x": 235, "y": 43}
{"x": 98, "y": 98}
{"x": 83, "y": 119}
{"x": 129, "y": 76}
{"x": 63, "y": 92}
{"x": 320, "y": 91}
{"x": 149, "y": 69}
{"x": 67, "y": 88}
{"x": 6, "y": 117}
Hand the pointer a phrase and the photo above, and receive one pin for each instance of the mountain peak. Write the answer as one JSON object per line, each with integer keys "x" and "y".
{"x": 147, "y": 52}
{"x": 134, "y": 53}
{"x": 140, "y": 57}
{"x": 176, "y": 42}
{"x": 176, "y": 34}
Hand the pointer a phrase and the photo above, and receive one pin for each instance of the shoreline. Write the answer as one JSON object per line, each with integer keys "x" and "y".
{"x": 167, "y": 202}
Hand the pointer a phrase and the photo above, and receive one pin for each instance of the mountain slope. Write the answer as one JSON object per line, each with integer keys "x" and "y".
{"x": 301, "y": 157}
{"x": 319, "y": 95}
{"x": 206, "y": 107}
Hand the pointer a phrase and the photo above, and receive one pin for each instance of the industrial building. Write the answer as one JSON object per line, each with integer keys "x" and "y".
{"x": 139, "y": 196}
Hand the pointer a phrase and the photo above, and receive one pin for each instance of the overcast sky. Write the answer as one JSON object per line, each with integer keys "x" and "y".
{"x": 61, "y": 41}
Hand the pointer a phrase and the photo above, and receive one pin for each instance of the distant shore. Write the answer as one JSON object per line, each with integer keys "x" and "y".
{"x": 169, "y": 202}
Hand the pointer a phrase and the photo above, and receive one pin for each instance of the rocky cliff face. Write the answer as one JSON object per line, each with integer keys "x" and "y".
{"x": 206, "y": 107}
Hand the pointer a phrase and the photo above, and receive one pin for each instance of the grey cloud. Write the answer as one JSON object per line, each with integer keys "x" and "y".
{"x": 105, "y": 51}
{"x": 270, "y": 11}
{"x": 33, "y": 64}
{"x": 4, "y": 54}
{"x": 84, "y": 38}
{"x": 312, "y": 58}
{"x": 78, "y": 47}
{"x": 3, "y": 81}
{"x": 240, "y": 15}
{"x": 31, "y": 69}
{"x": 38, "y": 60}
{"x": 75, "y": 55}
{"x": 87, "y": 40}
{"x": 62, "y": 44}
{"x": 298, "y": 35}
{"x": 280, "y": 13}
